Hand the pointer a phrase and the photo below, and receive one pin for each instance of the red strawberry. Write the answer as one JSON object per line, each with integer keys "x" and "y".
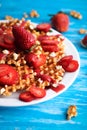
{"x": 50, "y": 48}
{"x": 37, "y": 92}
{"x": 65, "y": 61}
{"x": 69, "y": 64}
{"x": 58, "y": 88}
{"x": 60, "y": 22}
{"x": 26, "y": 96}
{"x": 8, "y": 75}
{"x": 35, "y": 60}
{"x": 49, "y": 42}
{"x": 7, "y": 41}
{"x": 43, "y": 27}
{"x": 73, "y": 66}
{"x": 46, "y": 77}
{"x": 84, "y": 41}
{"x": 23, "y": 39}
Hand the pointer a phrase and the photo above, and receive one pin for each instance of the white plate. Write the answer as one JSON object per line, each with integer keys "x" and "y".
{"x": 68, "y": 79}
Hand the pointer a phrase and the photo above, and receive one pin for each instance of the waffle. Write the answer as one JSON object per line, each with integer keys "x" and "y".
{"x": 27, "y": 76}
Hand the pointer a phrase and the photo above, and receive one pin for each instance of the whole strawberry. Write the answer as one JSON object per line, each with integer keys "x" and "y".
{"x": 60, "y": 22}
{"x": 23, "y": 39}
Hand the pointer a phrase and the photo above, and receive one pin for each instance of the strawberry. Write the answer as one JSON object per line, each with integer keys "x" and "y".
{"x": 68, "y": 64}
{"x": 58, "y": 88}
{"x": 8, "y": 75}
{"x": 7, "y": 41}
{"x": 23, "y": 39}
{"x": 37, "y": 92}
{"x": 65, "y": 61}
{"x": 84, "y": 42}
{"x": 73, "y": 66}
{"x": 49, "y": 42}
{"x": 60, "y": 22}
{"x": 43, "y": 27}
{"x": 26, "y": 96}
{"x": 46, "y": 77}
{"x": 50, "y": 48}
{"x": 35, "y": 60}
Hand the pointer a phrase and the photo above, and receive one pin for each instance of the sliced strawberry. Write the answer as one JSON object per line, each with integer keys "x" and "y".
{"x": 4, "y": 69}
{"x": 34, "y": 60}
{"x": 23, "y": 39}
{"x": 50, "y": 37}
{"x": 26, "y": 96}
{"x": 37, "y": 92}
{"x": 45, "y": 77}
{"x": 58, "y": 88}
{"x": 5, "y": 45}
{"x": 73, "y": 66}
{"x": 8, "y": 75}
{"x": 9, "y": 39}
{"x": 50, "y": 48}
{"x": 43, "y": 27}
{"x": 65, "y": 61}
{"x": 49, "y": 42}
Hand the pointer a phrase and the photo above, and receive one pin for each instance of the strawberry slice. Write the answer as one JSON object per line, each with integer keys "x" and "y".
{"x": 3, "y": 69}
{"x": 65, "y": 61}
{"x": 5, "y": 44}
{"x": 50, "y": 48}
{"x": 37, "y": 92}
{"x": 73, "y": 66}
{"x": 8, "y": 75}
{"x": 49, "y": 42}
{"x": 34, "y": 60}
{"x": 45, "y": 77}
{"x": 43, "y": 27}
{"x": 58, "y": 88}
{"x": 9, "y": 39}
{"x": 26, "y": 96}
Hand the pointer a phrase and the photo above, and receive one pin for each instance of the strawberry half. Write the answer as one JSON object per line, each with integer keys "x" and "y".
{"x": 8, "y": 75}
{"x": 35, "y": 60}
{"x": 60, "y": 22}
{"x": 23, "y": 39}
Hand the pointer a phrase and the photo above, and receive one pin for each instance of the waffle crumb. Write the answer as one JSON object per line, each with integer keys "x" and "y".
{"x": 71, "y": 112}
{"x": 75, "y": 14}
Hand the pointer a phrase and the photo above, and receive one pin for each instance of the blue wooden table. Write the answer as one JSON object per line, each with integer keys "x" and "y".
{"x": 51, "y": 114}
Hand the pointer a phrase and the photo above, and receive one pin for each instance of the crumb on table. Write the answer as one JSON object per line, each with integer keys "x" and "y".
{"x": 71, "y": 112}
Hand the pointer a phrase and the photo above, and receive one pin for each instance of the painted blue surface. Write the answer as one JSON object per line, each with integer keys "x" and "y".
{"x": 51, "y": 114}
